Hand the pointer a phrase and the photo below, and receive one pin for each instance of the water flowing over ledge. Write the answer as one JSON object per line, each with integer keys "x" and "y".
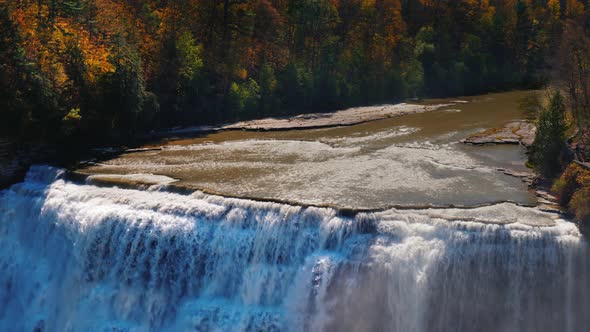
{"x": 141, "y": 181}
{"x": 80, "y": 257}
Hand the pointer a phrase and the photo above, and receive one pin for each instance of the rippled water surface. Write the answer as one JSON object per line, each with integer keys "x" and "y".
{"x": 408, "y": 160}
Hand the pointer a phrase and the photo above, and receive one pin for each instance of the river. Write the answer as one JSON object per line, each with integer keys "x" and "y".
{"x": 125, "y": 250}
{"x": 411, "y": 160}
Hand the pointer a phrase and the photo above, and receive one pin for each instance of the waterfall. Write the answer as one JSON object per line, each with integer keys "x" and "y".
{"x": 77, "y": 257}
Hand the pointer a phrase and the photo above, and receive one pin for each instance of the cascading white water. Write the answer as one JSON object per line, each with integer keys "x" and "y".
{"x": 76, "y": 257}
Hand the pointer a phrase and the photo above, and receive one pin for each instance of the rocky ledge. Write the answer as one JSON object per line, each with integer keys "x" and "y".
{"x": 15, "y": 159}
{"x": 518, "y": 132}
{"x": 345, "y": 117}
{"x": 545, "y": 201}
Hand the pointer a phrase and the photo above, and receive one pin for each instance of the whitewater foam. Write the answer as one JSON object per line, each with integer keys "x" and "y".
{"x": 76, "y": 257}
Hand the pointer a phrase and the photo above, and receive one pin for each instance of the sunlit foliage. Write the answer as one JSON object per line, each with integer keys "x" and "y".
{"x": 130, "y": 66}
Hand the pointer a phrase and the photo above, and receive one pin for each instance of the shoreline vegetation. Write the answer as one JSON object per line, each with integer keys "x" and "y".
{"x": 109, "y": 71}
{"x": 560, "y": 161}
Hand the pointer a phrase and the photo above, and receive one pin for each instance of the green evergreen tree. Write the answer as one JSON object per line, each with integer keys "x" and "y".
{"x": 547, "y": 151}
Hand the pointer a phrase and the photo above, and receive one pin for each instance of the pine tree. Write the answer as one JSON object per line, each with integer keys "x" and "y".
{"x": 547, "y": 151}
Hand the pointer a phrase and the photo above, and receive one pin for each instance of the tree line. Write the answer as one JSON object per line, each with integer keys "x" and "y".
{"x": 98, "y": 69}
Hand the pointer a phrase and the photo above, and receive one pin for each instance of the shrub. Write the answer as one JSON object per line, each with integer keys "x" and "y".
{"x": 71, "y": 122}
{"x": 580, "y": 204}
{"x": 244, "y": 97}
{"x": 573, "y": 191}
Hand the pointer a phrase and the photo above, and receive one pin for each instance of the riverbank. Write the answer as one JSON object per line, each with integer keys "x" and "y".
{"x": 16, "y": 157}
{"x": 572, "y": 189}
{"x": 569, "y": 193}
{"x": 340, "y": 118}
{"x": 346, "y": 117}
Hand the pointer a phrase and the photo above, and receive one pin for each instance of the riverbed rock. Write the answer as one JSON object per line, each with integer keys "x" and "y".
{"x": 15, "y": 159}
{"x": 527, "y": 177}
{"x": 551, "y": 208}
{"x": 518, "y": 132}
{"x": 545, "y": 195}
{"x": 345, "y": 117}
{"x": 11, "y": 166}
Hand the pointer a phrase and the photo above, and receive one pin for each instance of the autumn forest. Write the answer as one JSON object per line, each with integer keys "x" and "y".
{"x": 113, "y": 69}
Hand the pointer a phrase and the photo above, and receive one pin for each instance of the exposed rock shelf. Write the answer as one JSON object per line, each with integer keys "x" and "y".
{"x": 519, "y": 132}
{"x": 166, "y": 184}
{"x": 15, "y": 159}
{"x": 345, "y": 117}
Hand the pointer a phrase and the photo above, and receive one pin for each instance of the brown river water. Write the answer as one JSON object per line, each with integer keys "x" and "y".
{"x": 409, "y": 160}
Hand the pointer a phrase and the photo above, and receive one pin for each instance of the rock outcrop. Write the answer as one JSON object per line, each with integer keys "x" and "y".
{"x": 519, "y": 132}
{"x": 345, "y": 117}
{"x": 15, "y": 159}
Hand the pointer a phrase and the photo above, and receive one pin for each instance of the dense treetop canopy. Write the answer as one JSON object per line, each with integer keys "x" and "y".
{"x": 115, "y": 68}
